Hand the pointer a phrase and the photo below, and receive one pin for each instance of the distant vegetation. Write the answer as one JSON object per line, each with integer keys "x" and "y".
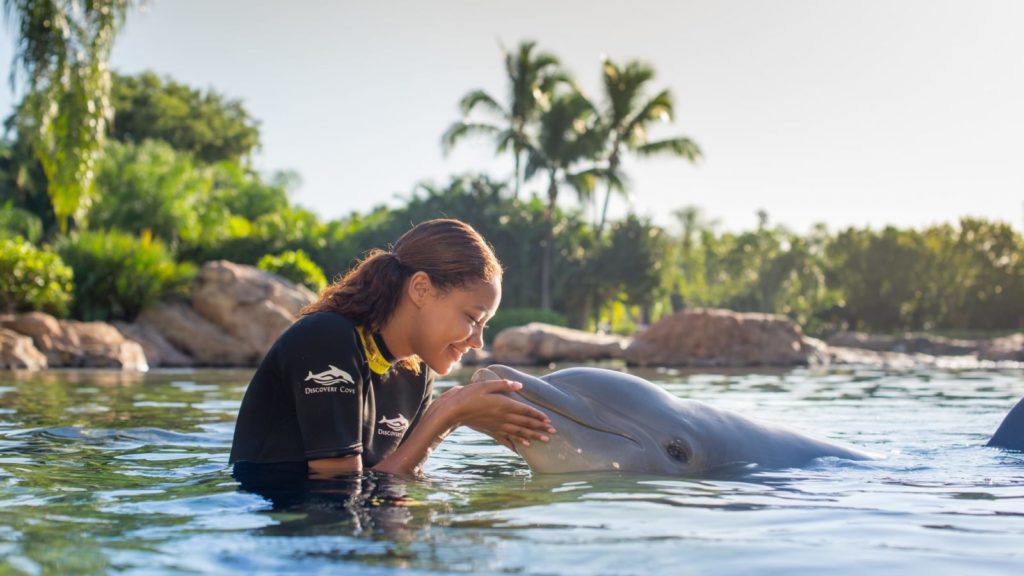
{"x": 170, "y": 185}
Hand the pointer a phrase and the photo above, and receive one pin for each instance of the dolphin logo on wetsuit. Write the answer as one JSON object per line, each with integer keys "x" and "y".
{"x": 398, "y": 423}
{"x": 332, "y": 375}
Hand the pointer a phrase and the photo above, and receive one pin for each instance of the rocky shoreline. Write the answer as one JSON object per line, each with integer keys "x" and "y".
{"x": 236, "y": 312}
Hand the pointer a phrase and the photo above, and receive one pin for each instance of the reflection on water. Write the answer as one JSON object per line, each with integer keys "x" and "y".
{"x": 106, "y": 471}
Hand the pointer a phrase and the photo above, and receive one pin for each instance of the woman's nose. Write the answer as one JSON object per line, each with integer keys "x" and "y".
{"x": 476, "y": 339}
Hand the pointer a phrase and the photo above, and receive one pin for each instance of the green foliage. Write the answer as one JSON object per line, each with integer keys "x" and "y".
{"x": 22, "y": 180}
{"x": 150, "y": 187}
{"x": 243, "y": 193}
{"x": 296, "y": 266}
{"x": 512, "y": 317}
{"x": 209, "y": 126}
{"x": 239, "y": 240}
{"x": 17, "y": 222}
{"x": 634, "y": 263}
{"x": 63, "y": 47}
{"x": 32, "y": 279}
{"x": 117, "y": 274}
{"x": 944, "y": 277}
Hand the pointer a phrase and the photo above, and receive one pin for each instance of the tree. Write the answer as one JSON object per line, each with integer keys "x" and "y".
{"x": 211, "y": 127}
{"x": 627, "y": 118}
{"x": 62, "y": 48}
{"x": 151, "y": 188}
{"x": 634, "y": 263}
{"x": 567, "y": 137}
{"x": 532, "y": 82}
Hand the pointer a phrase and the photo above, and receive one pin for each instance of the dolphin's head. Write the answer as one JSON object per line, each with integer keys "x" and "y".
{"x": 607, "y": 420}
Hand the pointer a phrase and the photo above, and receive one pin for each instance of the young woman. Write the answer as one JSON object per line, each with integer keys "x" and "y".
{"x": 348, "y": 386}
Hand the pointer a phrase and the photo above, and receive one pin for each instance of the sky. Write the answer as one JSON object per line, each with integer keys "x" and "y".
{"x": 856, "y": 113}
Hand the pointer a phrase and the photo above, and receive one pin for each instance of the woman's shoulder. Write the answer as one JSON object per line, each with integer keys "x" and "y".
{"x": 326, "y": 324}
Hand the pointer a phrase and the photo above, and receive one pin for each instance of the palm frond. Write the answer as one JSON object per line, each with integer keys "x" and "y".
{"x": 479, "y": 98}
{"x": 681, "y": 147}
{"x": 460, "y": 130}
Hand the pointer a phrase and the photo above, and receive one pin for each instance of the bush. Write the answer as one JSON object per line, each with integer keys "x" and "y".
{"x": 151, "y": 187}
{"x": 117, "y": 274}
{"x": 511, "y": 317}
{"x": 32, "y": 279}
{"x": 296, "y": 266}
{"x": 17, "y": 222}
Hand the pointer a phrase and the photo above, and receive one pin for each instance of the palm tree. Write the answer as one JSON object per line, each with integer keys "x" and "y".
{"x": 532, "y": 80}
{"x": 627, "y": 118}
{"x": 568, "y": 135}
{"x": 63, "y": 47}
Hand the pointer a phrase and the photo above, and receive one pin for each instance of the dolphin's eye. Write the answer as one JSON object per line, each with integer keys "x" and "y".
{"x": 678, "y": 451}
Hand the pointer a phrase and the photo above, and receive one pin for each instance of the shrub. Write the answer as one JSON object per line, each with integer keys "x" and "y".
{"x": 117, "y": 274}
{"x": 296, "y": 266}
{"x": 511, "y": 317}
{"x": 18, "y": 222}
{"x": 32, "y": 279}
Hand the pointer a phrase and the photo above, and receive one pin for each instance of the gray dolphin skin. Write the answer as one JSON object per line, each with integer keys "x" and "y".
{"x": 1010, "y": 434}
{"x": 608, "y": 420}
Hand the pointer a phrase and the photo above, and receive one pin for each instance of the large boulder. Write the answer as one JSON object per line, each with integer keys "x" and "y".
{"x": 18, "y": 353}
{"x": 709, "y": 337}
{"x": 159, "y": 352}
{"x": 250, "y": 305}
{"x": 538, "y": 343}
{"x": 73, "y": 344}
{"x": 201, "y": 339}
{"x": 1009, "y": 348}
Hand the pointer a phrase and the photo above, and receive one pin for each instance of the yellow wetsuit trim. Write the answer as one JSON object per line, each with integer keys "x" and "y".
{"x": 378, "y": 363}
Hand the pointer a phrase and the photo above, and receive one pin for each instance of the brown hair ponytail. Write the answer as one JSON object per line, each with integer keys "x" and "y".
{"x": 450, "y": 252}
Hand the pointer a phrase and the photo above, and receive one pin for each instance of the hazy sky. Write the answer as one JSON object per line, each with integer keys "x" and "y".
{"x": 866, "y": 112}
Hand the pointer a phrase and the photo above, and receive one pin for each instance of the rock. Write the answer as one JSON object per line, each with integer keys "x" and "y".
{"x": 839, "y": 355}
{"x": 538, "y": 343}
{"x": 907, "y": 343}
{"x": 817, "y": 351}
{"x": 103, "y": 346}
{"x": 18, "y": 353}
{"x": 73, "y": 344}
{"x": 201, "y": 339}
{"x": 248, "y": 304}
{"x": 1008, "y": 348}
{"x": 159, "y": 352}
{"x": 710, "y": 337}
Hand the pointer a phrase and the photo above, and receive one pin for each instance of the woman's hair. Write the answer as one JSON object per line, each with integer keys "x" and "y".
{"x": 450, "y": 252}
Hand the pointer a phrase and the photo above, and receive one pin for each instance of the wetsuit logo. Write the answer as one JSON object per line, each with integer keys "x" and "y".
{"x": 332, "y": 375}
{"x": 393, "y": 426}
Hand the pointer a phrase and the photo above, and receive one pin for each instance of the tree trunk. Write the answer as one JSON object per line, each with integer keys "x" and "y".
{"x": 613, "y": 166}
{"x": 549, "y": 244}
{"x": 515, "y": 191}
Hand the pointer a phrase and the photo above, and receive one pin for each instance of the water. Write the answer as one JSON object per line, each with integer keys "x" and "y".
{"x": 106, "y": 472}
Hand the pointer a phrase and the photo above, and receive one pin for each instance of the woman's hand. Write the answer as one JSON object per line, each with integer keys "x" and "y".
{"x": 486, "y": 406}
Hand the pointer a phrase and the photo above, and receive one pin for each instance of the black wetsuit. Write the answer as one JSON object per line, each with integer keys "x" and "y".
{"x": 314, "y": 396}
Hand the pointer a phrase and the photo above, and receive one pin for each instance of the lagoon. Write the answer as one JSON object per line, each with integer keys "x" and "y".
{"x": 116, "y": 472}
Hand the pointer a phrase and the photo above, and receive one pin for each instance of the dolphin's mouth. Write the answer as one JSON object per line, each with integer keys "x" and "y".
{"x": 536, "y": 399}
{"x": 547, "y": 397}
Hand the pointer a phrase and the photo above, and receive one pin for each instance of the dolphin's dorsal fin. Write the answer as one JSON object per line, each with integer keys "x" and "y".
{"x": 1010, "y": 434}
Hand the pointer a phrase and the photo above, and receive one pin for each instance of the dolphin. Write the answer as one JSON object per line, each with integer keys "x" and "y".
{"x": 608, "y": 421}
{"x": 1010, "y": 434}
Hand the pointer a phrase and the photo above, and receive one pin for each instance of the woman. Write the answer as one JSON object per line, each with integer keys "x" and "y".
{"x": 348, "y": 386}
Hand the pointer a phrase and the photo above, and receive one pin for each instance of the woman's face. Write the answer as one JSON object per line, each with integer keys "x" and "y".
{"x": 451, "y": 322}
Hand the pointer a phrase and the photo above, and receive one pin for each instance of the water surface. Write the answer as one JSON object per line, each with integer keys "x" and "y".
{"x": 106, "y": 472}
